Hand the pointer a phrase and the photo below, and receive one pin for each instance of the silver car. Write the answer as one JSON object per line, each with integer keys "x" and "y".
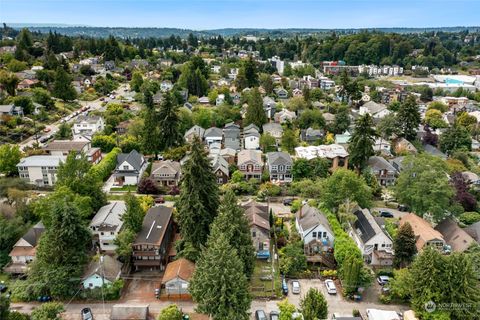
{"x": 295, "y": 287}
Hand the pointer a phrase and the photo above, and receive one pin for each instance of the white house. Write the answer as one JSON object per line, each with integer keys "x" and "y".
{"x": 88, "y": 125}
{"x": 106, "y": 225}
{"x": 251, "y": 137}
{"x": 166, "y": 86}
{"x": 40, "y": 170}
{"x": 376, "y": 110}
{"x": 102, "y": 271}
{"x": 373, "y": 240}
{"x": 130, "y": 168}
{"x": 314, "y": 230}
{"x": 213, "y": 135}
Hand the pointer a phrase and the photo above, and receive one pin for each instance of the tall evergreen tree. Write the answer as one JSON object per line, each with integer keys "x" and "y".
{"x": 218, "y": 284}
{"x": 404, "y": 246}
{"x": 351, "y": 270}
{"x": 62, "y": 86}
{"x": 150, "y": 132}
{"x": 232, "y": 223}
{"x": 198, "y": 202}
{"x": 251, "y": 74}
{"x": 408, "y": 118}
{"x": 133, "y": 216}
{"x": 170, "y": 135}
{"x": 362, "y": 141}
{"x": 314, "y": 306}
{"x": 255, "y": 112}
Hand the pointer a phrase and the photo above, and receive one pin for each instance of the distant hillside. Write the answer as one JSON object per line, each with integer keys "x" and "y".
{"x": 121, "y": 32}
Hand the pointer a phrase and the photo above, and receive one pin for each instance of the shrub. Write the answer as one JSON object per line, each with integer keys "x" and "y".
{"x": 170, "y": 313}
{"x": 469, "y": 218}
{"x": 148, "y": 186}
{"x": 104, "y": 168}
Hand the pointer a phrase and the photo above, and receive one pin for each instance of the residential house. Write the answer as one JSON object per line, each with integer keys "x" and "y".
{"x": 376, "y": 110}
{"x": 403, "y": 145}
{"x": 158, "y": 97}
{"x": 329, "y": 118}
{"x": 166, "y": 86}
{"x": 64, "y": 147}
{"x": 231, "y": 135}
{"x": 130, "y": 168}
{"x": 397, "y": 163}
{"x": 220, "y": 168}
{"x": 220, "y": 99}
{"x": 284, "y": 116}
{"x": 474, "y": 231}
{"x": 316, "y": 233}
{"x": 333, "y": 152}
{"x": 258, "y": 220}
{"x": 251, "y": 137}
{"x": 311, "y": 135}
{"x": 274, "y": 129}
{"x": 40, "y": 170}
{"x": 195, "y": 131}
{"x": 373, "y": 240}
{"x": 106, "y": 225}
{"x": 434, "y": 151}
{"x": 204, "y": 100}
{"x": 280, "y": 166}
{"x": 213, "y": 135}
{"x": 250, "y": 163}
{"x": 269, "y": 105}
{"x": 457, "y": 238}
{"x": 382, "y": 146}
{"x": 150, "y": 248}
{"x": 176, "y": 278}
{"x": 27, "y": 83}
{"x": 425, "y": 235}
{"x": 382, "y": 170}
{"x": 229, "y": 155}
{"x": 343, "y": 138}
{"x": 103, "y": 271}
{"x": 281, "y": 93}
{"x": 166, "y": 173}
{"x": 123, "y": 126}
{"x": 297, "y": 92}
{"x": 10, "y": 110}
{"x": 24, "y": 250}
{"x": 471, "y": 178}
{"x": 88, "y": 125}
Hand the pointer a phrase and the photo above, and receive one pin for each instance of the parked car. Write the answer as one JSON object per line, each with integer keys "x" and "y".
{"x": 385, "y": 214}
{"x": 87, "y": 314}
{"x": 260, "y": 315}
{"x": 274, "y": 315}
{"x": 284, "y": 286}
{"x": 330, "y": 285}
{"x": 383, "y": 280}
{"x": 47, "y": 129}
{"x": 402, "y": 207}
{"x": 295, "y": 287}
{"x": 3, "y": 288}
{"x": 287, "y": 202}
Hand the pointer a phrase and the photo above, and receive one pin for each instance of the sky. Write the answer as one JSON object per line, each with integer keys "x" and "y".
{"x": 212, "y": 14}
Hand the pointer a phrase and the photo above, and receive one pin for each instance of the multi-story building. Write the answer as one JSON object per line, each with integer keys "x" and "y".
{"x": 88, "y": 125}
{"x": 279, "y": 166}
{"x": 106, "y": 225}
{"x": 40, "y": 170}
{"x": 250, "y": 163}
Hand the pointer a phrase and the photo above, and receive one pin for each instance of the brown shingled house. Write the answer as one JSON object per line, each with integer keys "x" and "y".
{"x": 424, "y": 233}
{"x": 177, "y": 278}
{"x": 455, "y": 236}
{"x": 150, "y": 248}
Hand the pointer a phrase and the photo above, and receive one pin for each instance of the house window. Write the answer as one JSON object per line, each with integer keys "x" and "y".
{"x": 383, "y": 245}
{"x": 254, "y": 234}
{"x": 324, "y": 234}
{"x": 112, "y": 233}
{"x": 314, "y": 234}
{"x": 101, "y": 233}
{"x": 274, "y": 167}
{"x": 125, "y": 167}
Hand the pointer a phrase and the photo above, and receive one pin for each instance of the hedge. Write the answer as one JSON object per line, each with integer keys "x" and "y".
{"x": 104, "y": 168}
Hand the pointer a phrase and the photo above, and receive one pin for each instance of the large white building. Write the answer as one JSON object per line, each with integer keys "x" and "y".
{"x": 40, "y": 170}
{"x": 88, "y": 125}
{"x": 106, "y": 225}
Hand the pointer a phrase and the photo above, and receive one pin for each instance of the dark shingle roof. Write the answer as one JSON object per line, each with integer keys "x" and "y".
{"x": 363, "y": 225}
{"x": 134, "y": 158}
{"x": 154, "y": 225}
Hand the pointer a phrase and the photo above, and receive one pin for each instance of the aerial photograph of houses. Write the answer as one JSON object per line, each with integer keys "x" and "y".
{"x": 239, "y": 160}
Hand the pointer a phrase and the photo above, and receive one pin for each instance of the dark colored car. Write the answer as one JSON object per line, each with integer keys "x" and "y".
{"x": 284, "y": 286}
{"x": 274, "y": 315}
{"x": 3, "y": 288}
{"x": 87, "y": 314}
{"x": 287, "y": 202}
{"x": 260, "y": 315}
{"x": 402, "y": 207}
{"x": 386, "y": 214}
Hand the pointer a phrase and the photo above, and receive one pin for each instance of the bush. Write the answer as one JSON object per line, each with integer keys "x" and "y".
{"x": 356, "y": 313}
{"x": 104, "y": 168}
{"x": 469, "y": 218}
{"x": 111, "y": 291}
{"x": 148, "y": 186}
{"x": 170, "y": 313}
{"x": 47, "y": 311}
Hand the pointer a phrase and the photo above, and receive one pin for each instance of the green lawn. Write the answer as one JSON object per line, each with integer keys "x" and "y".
{"x": 265, "y": 282}
{"x": 125, "y": 188}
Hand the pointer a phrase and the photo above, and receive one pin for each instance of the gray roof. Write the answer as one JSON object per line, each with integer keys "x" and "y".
{"x": 213, "y": 132}
{"x": 110, "y": 267}
{"x": 89, "y": 119}
{"x": 272, "y": 126}
{"x": 309, "y": 217}
{"x": 268, "y": 102}
{"x": 374, "y": 107}
{"x": 166, "y": 167}
{"x": 33, "y": 234}
{"x": 219, "y": 163}
{"x": 133, "y": 158}
{"x": 154, "y": 225}
{"x": 110, "y": 215}
{"x": 197, "y": 130}
{"x": 66, "y": 145}
{"x": 129, "y": 311}
{"x": 6, "y": 108}
{"x": 474, "y": 231}
{"x": 434, "y": 151}
{"x": 366, "y": 226}
{"x": 41, "y": 161}
{"x": 379, "y": 163}
{"x": 250, "y": 127}
{"x": 455, "y": 236}
{"x": 277, "y": 158}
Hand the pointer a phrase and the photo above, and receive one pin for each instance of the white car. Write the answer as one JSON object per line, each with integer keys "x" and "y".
{"x": 295, "y": 287}
{"x": 330, "y": 285}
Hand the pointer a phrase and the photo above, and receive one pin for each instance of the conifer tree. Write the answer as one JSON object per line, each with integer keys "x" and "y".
{"x": 150, "y": 133}
{"x": 170, "y": 135}
{"x": 404, "y": 246}
{"x": 362, "y": 141}
{"x": 408, "y": 118}
{"x": 62, "y": 86}
{"x": 133, "y": 216}
{"x": 255, "y": 113}
{"x": 198, "y": 202}
{"x": 313, "y": 305}
{"x": 232, "y": 222}
{"x": 351, "y": 273}
{"x": 218, "y": 284}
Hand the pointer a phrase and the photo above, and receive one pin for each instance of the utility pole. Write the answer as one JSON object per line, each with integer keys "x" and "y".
{"x": 103, "y": 282}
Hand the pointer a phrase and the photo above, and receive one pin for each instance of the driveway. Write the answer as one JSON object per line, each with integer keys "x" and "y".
{"x": 396, "y": 213}
{"x": 108, "y": 184}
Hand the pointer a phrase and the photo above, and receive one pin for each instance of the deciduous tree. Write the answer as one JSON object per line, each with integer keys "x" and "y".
{"x": 313, "y": 305}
